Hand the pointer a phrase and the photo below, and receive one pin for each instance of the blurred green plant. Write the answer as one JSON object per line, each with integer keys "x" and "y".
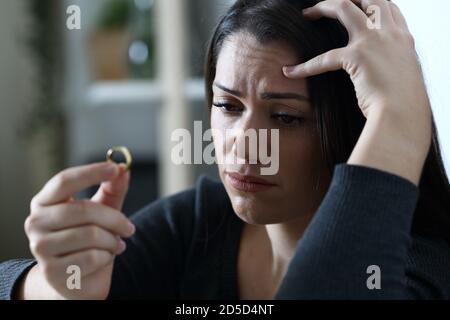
{"x": 135, "y": 16}
{"x": 115, "y": 14}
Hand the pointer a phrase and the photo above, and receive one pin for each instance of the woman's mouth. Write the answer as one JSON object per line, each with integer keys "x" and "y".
{"x": 247, "y": 183}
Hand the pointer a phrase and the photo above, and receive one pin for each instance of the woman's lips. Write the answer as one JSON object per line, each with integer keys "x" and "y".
{"x": 248, "y": 183}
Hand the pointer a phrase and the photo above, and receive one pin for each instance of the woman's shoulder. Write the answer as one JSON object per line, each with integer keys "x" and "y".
{"x": 428, "y": 268}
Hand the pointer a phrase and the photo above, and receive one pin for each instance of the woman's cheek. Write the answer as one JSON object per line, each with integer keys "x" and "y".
{"x": 299, "y": 157}
{"x": 219, "y": 126}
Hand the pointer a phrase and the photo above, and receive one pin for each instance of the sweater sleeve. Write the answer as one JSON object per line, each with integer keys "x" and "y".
{"x": 10, "y": 274}
{"x": 361, "y": 230}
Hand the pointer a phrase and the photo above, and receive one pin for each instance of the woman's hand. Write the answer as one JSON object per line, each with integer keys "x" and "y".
{"x": 85, "y": 233}
{"x": 383, "y": 66}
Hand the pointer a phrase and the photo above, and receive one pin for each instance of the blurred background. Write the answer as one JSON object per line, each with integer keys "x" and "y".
{"x": 130, "y": 76}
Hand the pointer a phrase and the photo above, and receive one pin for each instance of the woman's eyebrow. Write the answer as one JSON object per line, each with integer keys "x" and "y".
{"x": 233, "y": 92}
{"x": 287, "y": 95}
{"x": 266, "y": 95}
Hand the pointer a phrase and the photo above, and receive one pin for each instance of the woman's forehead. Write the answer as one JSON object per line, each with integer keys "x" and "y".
{"x": 247, "y": 64}
{"x": 244, "y": 48}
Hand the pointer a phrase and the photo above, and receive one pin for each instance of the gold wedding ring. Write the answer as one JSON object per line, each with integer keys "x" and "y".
{"x": 124, "y": 151}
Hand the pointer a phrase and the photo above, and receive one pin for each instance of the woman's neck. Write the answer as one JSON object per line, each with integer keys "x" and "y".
{"x": 264, "y": 256}
{"x": 283, "y": 239}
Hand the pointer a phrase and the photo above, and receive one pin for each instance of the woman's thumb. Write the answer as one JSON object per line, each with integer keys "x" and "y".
{"x": 112, "y": 193}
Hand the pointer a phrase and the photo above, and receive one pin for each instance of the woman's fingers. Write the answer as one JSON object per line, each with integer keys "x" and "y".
{"x": 329, "y": 61}
{"x": 113, "y": 192}
{"x": 78, "y": 213}
{"x": 353, "y": 14}
{"x": 399, "y": 18}
{"x": 64, "y": 232}
{"x": 381, "y": 7}
{"x": 73, "y": 240}
{"x": 347, "y": 12}
{"x": 70, "y": 181}
{"x": 355, "y": 20}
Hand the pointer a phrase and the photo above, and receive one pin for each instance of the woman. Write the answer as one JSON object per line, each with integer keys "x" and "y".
{"x": 360, "y": 185}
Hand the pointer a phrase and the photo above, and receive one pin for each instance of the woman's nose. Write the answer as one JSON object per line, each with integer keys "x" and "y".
{"x": 248, "y": 137}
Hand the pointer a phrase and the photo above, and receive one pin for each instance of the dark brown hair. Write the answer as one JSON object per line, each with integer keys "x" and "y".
{"x": 339, "y": 119}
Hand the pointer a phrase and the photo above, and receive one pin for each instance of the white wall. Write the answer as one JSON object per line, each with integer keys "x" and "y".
{"x": 430, "y": 25}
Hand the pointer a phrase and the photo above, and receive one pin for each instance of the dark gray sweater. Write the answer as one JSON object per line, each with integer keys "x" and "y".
{"x": 186, "y": 246}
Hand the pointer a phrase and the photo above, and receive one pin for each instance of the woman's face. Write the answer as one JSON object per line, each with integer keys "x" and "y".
{"x": 251, "y": 92}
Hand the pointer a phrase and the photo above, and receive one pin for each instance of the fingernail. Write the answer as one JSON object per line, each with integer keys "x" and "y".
{"x": 110, "y": 169}
{"x": 306, "y": 11}
{"x": 288, "y": 70}
{"x": 132, "y": 228}
{"x": 122, "y": 246}
{"x": 123, "y": 169}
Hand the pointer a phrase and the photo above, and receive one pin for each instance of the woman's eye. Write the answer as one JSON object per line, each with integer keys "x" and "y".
{"x": 226, "y": 107}
{"x": 288, "y": 120}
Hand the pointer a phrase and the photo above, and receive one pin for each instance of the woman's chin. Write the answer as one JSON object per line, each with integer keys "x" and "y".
{"x": 257, "y": 216}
